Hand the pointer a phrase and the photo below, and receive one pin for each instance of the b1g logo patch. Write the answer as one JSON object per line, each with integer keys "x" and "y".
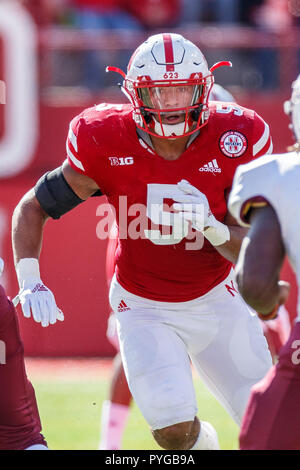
{"x": 233, "y": 144}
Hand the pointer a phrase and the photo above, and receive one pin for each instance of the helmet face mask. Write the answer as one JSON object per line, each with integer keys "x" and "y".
{"x": 171, "y": 109}
{"x": 166, "y": 98}
{"x": 168, "y": 83}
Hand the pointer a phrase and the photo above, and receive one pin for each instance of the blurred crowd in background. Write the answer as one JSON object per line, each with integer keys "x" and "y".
{"x": 151, "y": 14}
{"x": 254, "y": 68}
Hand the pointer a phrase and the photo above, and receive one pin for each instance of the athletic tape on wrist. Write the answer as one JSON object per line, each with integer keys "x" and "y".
{"x": 27, "y": 268}
{"x": 269, "y": 316}
{"x": 217, "y": 235}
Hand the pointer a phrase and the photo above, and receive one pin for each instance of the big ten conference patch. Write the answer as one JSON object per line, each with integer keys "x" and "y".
{"x": 233, "y": 144}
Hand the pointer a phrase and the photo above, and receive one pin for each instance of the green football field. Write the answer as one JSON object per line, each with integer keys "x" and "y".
{"x": 70, "y": 410}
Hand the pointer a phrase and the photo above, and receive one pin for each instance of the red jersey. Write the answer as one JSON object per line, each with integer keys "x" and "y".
{"x": 161, "y": 263}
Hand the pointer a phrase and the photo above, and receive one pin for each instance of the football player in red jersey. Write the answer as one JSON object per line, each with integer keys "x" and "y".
{"x": 169, "y": 156}
{"x": 115, "y": 409}
{"x": 20, "y": 426}
{"x": 264, "y": 196}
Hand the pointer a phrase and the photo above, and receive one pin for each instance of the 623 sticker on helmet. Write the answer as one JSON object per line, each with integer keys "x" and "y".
{"x": 233, "y": 144}
{"x": 171, "y": 75}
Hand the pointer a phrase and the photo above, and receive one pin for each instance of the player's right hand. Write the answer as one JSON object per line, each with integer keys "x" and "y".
{"x": 284, "y": 291}
{"x": 37, "y": 300}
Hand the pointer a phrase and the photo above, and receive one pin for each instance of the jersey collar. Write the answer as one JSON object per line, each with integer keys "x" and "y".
{"x": 147, "y": 140}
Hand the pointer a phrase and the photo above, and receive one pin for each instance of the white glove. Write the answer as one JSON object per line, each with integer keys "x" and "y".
{"x": 194, "y": 207}
{"x": 35, "y": 298}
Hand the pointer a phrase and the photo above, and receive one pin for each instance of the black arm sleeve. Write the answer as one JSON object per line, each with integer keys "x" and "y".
{"x": 55, "y": 195}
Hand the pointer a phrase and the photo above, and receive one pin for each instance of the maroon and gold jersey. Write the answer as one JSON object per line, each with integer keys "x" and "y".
{"x": 20, "y": 425}
{"x": 159, "y": 256}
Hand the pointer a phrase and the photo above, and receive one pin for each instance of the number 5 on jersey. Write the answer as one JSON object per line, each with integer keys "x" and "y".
{"x": 156, "y": 194}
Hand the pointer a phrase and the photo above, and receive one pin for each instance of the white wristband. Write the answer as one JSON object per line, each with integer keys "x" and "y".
{"x": 27, "y": 268}
{"x": 218, "y": 234}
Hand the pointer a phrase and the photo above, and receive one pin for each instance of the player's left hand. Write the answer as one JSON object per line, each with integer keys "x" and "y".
{"x": 193, "y": 206}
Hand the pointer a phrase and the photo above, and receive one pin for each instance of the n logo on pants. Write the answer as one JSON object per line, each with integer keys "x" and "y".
{"x": 231, "y": 289}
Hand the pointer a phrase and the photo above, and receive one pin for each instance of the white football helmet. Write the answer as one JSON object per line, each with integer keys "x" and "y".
{"x": 168, "y": 82}
{"x": 292, "y": 108}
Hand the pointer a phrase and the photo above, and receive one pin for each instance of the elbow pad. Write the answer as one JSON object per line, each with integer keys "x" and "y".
{"x": 55, "y": 195}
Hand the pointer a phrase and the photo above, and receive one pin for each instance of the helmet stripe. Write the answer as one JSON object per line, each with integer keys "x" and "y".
{"x": 169, "y": 55}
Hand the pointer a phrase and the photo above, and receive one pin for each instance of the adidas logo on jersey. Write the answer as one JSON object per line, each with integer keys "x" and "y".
{"x": 212, "y": 167}
{"x": 122, "y": 307}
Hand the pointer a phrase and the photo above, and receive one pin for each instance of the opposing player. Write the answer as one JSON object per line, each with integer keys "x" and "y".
{"x": 265, "y": 195}
{"x": 166, "y": 163}
{"x": 20, "y": 426}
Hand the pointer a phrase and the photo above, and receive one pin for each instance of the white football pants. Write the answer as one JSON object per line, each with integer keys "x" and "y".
{"x": 217, "y": 331}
